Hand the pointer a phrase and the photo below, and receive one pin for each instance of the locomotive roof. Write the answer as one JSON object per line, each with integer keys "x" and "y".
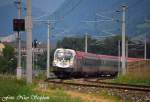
{"x": 80, "y": 54}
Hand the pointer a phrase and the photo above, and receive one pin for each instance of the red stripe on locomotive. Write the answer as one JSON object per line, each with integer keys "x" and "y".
{"x": 80, "y": 55}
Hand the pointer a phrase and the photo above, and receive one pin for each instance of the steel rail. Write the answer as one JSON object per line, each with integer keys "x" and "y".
{"x": 110, "y": 86}
{"x": 109, "y": 83}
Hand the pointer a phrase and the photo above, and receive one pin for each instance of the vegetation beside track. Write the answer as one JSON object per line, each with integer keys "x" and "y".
{"x": 12, "y": 87}
{"x": 106, "y": 94}
{"x": 12, "y": 90}
{"x": 78, "y": 95}
{"x": 130, "y": 80}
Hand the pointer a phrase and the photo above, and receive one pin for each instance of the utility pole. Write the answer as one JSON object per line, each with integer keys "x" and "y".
{"x": 19, "y": 69}
{"x": 145, "y": 47}
{"x": 48, "y": 48}
{"x": 86, "y": 42}
{"x": 29, "y": 42}
{"x": 33, "y": 57}
{"x": 119, "y": 70}
{"x": 123, "y": 41}
{"x": 48, "y": 22}
{"x": 127, "y": 45}
{"x": 127, "y": 50}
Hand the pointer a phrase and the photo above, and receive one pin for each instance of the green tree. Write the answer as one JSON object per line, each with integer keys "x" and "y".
{"x": 8, "y": 60}
{"x": 71, "y": 43}
{"x": 42, "y": 59}
{"x": 108, "y": 46}
{"x": 8, "y": 52}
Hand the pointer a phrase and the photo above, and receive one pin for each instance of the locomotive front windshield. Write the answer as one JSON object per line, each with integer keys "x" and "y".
{"x": 64, "y": 55}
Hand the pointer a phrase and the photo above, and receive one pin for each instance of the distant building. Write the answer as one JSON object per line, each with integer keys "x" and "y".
{"x": 39, "y": 50}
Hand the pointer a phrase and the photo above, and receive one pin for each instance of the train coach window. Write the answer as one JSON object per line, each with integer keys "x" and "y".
{"x": 91, "y": 62}
{"x": 99, "y": 62}
{"x": 109, "y": 63}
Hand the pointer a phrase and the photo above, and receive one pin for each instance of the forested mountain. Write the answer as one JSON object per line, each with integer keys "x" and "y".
{"x": 72, "y": 15}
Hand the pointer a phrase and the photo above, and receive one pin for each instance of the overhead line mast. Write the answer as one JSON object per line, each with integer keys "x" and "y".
{"x": 29, "y": 43}
{"x": 19, "y": 69}
{"x": 123, "y": 40}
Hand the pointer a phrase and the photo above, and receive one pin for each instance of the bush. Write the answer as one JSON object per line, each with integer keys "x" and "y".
{"x": 8, "y": 60}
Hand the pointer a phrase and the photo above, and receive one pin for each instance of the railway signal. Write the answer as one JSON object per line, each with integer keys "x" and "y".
{"x": 19, "y": 25}
{"x": 35, "y": 43}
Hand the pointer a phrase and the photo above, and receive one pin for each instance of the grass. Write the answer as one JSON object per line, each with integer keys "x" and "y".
{"x": 12, "y": 90}
{"x": 13, "y": 87}
{"x": 59, "y": 95}
{"x": 106, "y": 95}
{"x": 127, "y": 79}
{"x": 102, "y": 95}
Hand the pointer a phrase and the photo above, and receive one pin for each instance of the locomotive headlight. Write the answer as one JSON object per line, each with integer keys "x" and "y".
{"x": 54, "y": 62}
{"x": 71, "y": 63}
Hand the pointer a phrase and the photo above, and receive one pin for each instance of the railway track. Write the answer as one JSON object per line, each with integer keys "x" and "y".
{"x": 109, "y": 83}
{"x": 87, "y": 83}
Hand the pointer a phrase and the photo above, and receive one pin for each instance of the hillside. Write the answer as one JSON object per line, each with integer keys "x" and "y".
{"x": 8, "y": 11}
{"x": 73, "y": 12}
{"x": 71, "y": 16}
